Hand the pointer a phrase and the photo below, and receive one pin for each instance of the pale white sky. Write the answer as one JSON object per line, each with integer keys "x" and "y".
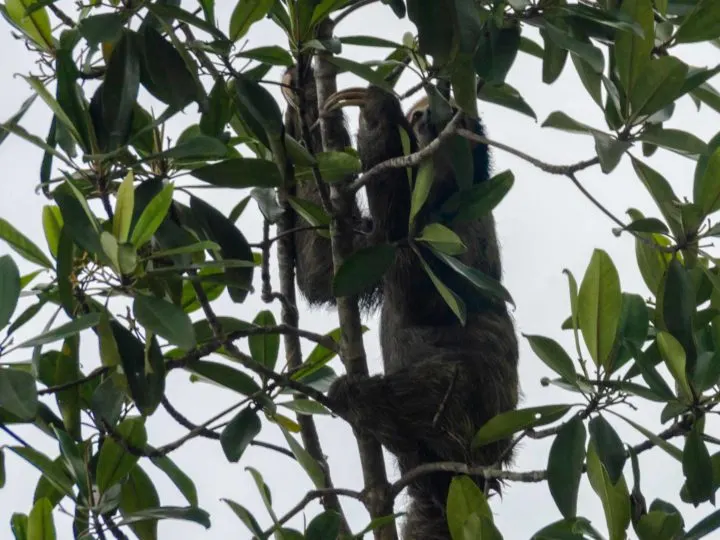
{"x": 545, "y": 225}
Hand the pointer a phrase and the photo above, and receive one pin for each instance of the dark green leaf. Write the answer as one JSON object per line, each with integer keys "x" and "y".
{"x": 257, "y": 104}
{"x": 554, "y": 356}
{"x": 615, "y": 497}
{"x": 478, "y": 201}
{"x": 165, "y": 319}
{"x": 225, "y": 376}
{"x": 64, "y": 330}
{"x": 181, "y": 480}
{"x": 506, "y": 96}
{"x": 22, "y": 245}
{"x": 138, "y": 493}
{"x": 245, "y": 14}
{"x": 565, "y": 466}
{"x": 702, "y": 24}
{"x": 245, "y": 516}
{"x": 481, "y": 281}
{"x": 144, "y": 367}
{"x": 114, "y": 463}
{"x": 163, "y": 71}
{"x": 674, "y": 139}
{"x": 152, "y": 216}
{"x": 505, "y": 424}
{"x": 324, "y": 526}
{"x": 435, "y": 28}
{"x": 9, "y": 289}
{"x": 239, "y": 433}
{"x": 54, "y": 473}
{"x": 707, "y": 186}
{"x": 233, "y": 246}
{"x": 609, "y": 447}
{"x": 609, "y": 151}
{"x": 119, "y": 90}
{"x": 187, "y": 513}
{"x": 632, "y": 50}
{"x": 219, "y": 111}
{"x": 704, "y": 527}
{"x": 697, "y": 467}
{"x": 658, "y": 85}
{"x": 240, "y": 173}
{"x": 363, "y": 269}
{"x": 18, "y": 394}
{"x": 554, "y": 58}
{"x": 264, "y": 348}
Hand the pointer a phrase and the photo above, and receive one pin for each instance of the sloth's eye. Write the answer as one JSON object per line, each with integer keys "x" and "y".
{"x": 416, "y": 116}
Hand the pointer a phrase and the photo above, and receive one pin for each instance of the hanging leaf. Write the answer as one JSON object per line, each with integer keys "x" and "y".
{"x": 9, "y": 289}
{"x": 165, "y": 319}
{"x": 264, "y": 348}
{"x": 363, "y": 269}
{"x": 565, "y": 466}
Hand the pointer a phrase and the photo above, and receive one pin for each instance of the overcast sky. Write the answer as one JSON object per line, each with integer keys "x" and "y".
{"x": 544, "y": 224}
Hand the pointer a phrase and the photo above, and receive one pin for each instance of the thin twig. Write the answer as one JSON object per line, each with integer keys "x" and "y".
{"x": 307, "y": 499}
{"x": 411, "y": 160}
{"x": 97, "y": 372}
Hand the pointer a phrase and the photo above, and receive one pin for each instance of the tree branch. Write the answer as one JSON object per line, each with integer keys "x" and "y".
{"x": 352, "y": 351}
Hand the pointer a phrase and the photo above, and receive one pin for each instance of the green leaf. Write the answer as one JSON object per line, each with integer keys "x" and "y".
{"x": 707, "y": 186}
{"x": 240, "y": 173}
{"x": 152, "y": 216}
{"x": 225, "y": 376}
{"x": 306, "y": 461}
{"x": 14, "y": 120}
{"x": 560, "y": 120}
{"x": 452, "y": 300}
{"x": 565, "y": 466}
{"x": 465, "y": 499}
{"x": 676, "y": 140}
{"x": 482, "y": 282}
{"x": 615, "y": 497}
{"x": 582, "y": 49}
{"x": 674, "y": 356}
{"x": 608, "y": 446}
{"x": 163, "y": 70}
{"x": 35, "y": 25}
{"x": 136, "y": 494}
{"x": 18, "y": 394}
{"x": 104, "y": 27}
{"x": 64, "y": 330}
{"x": 40, "y": 522}
{"x": 479, "y": 200}
{"x": 245, "y": 516}
{"x": 181, "y": 480}
{"x": 119, "y": 91}
{"x": 22, "y": 245}
{"x": 264, "y": 348}
{"x": 442, "y": 239}
{"x": 188, "y": 513}
{"x": 324, "y": 526}
{"x": 334, "y": 167}
{"x": 363, "y": 269}
{"x": 165, "y": 319}
{"x": 19, "y": 524}
{"x": 554, "y": 58}
{"x": 245, "y": 14}
{"x": 554, "y": 356}
{"x": 197, "y": 147}
{"x": 658, "y": 85}
{"x": 363, "y": 71}
{"x": 632, "y": 51}
{"x": 600, "y": 307}
{"x": 255, "y": 104}
{"x": 702, "y": 24}
{"x": 506, "y": 96}
{"x": 9, "y": 289}
{"x": 144, "y": 367}
{"x": 233, "y": 247}
{"x": 51, "y": 470}
{"x": 114, "y": 462}
{"x": 609, "y": 151}
{"x": 239, "y": 433}
{"x": 505, "y": 424}
{"x": 273, "y": 55}
{"x": 124, "y": 208}
{"x": 697, "y": 467}
{"x": 704, "y": 527}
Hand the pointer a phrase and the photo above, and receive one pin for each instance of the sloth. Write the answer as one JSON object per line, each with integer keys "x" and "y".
{"x": 442, "y": 379}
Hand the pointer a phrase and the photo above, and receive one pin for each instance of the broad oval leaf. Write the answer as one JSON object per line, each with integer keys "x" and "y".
{"x": 615, "y": 497}
{"x": 609, "y": 447}
{"x": 9, "y": 289}
{"x": 225, "y": 376}
{"x": 600, "y": 307}
{"x": 136, "y": 494}
{"x": 554, "y": 356}
{"x": 18, "y": 393}
{"x": 239, "y": 433}
{"x": 40, "y": 524}
{"x": 464, "y": 499}
{"x": 565, "y": 466}
{"x": 505, "y": 424}
{"x": 152, "y": 216}
{"x": 674, "y": 356}
{"x": 114, "y": 462}
{"x": 264, "y": 348}
{"x": 697, "y": 467}
{"x": 246, "y": 13}
{"x": 240, "y": 173}
{"x": 363, "y": 269}
{"x": 165, "y": 319}
{"x": 23, "y": 245}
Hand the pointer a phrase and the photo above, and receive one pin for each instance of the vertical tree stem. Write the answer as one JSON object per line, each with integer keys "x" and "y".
{"x": 352, "y": 350}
